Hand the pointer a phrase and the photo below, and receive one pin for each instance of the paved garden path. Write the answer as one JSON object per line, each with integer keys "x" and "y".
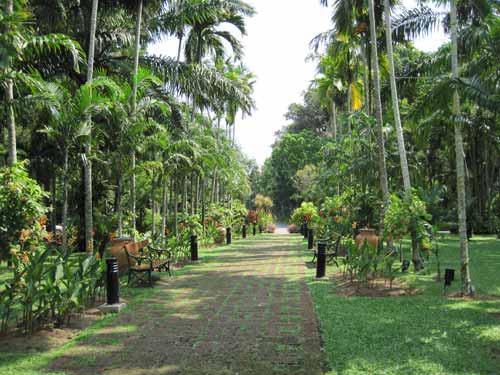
{"x": 246, "y": 310}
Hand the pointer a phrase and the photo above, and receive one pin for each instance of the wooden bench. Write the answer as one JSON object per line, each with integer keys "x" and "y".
{"x": 143, "y": 259}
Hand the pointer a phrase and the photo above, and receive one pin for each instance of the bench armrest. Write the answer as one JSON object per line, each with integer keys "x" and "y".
{"x": 158, "y": 251}
{"x": 139, "y": 259}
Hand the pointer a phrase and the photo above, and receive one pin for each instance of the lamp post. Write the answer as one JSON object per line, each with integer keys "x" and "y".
{"x": 112, "y": 304}
{"x": 321, "y": 260}
{"x": 310, "y": 239}
{"x": 194, "y": 248}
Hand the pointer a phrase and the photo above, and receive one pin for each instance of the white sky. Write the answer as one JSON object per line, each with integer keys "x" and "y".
{"x": 275, "y": 50}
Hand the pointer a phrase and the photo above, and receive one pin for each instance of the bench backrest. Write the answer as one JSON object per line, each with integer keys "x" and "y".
{"x": 134, "y": 248}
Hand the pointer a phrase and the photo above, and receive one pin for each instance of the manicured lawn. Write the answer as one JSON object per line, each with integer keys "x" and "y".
{"x": 423, "y": 334}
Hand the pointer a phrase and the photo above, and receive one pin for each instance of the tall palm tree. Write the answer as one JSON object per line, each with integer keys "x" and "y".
{"x": 417, "y": 262}
{"x": 466, "y": 285}
{"x": 89, "y": 242}
{"x": 422, "y": 21}
{"x": 9, "y": 97}
{"x": 137, "y": 48}
{"x": 18, "y": 45}
{"x": 384, "y": 186}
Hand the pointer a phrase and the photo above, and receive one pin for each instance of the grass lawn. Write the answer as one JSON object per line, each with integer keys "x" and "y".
{"x": 422, "y": 334}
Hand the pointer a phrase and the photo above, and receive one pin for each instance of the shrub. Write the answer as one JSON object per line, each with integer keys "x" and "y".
{"x": 21, "y": 205}
{"x": 292, "y": 228}
{"x": 306, "y": 212}
{"x": 49, "y": 286}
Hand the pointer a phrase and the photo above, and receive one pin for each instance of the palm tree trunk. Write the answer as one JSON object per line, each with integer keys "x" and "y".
{"x": 137, "y": 49}
{"x": 384, "y": 186}
{"x": 176, "y": 204}
{"x": 65, "y": 203}
{"x": 417, "y": 260}
{"x": 203, "y": 183}
{"x": 334, "y": 120}
{"x": 89, "y": 241}
{"x": 153, "y": 206}
{"x": 191, "y": 193}
{"x": 365, "y": 77}
{"x": 53, "y": 205}
{"x": 466, "y": 284}
{"x": 9, "y": 98}
{"x": 197, "y": 195}
{"x": 164, "y": 208}
{"x": 184, "y": 194}
{"x": 118, "y": 204}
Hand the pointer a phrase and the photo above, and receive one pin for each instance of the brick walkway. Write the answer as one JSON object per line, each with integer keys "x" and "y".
{"x": 246, "y": 311}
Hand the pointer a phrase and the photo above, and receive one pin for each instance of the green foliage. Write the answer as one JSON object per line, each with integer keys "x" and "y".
{"x": 21, "y": 205}
{"x": 307, "y": 212}
{"x": 405, "y": 216}
{"x": 48, "y": 286}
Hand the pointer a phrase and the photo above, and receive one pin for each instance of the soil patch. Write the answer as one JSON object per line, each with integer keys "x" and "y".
{"x": 49, "y": 337}
{"x": 374, "y": 288}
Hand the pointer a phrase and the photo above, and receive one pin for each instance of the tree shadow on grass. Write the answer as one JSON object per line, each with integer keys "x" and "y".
{"x": 408, "y": 335}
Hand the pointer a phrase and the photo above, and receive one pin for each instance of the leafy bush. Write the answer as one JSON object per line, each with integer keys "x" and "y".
{"x": 363, "y": 263}
{"x": 21, "y": 205}
{"x": 49, "y": 286}
{"x": 307, "y": 212}
{"x": 405, "y": 216}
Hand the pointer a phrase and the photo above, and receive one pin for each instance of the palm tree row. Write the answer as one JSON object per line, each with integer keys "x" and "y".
{"x": 345, "y": 73}
{"x": 133, "y": 115}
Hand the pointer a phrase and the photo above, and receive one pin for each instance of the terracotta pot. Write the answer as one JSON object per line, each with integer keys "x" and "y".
{"x": 367, "y": 235}
{"x": 117, "y": 251}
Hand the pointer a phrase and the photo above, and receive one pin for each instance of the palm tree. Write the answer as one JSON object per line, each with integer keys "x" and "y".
{"x": 417, "y": 261}
{"x": 134, "y": 101}
{"x": 384, "y": 186}
{"x": 422, "y": 21}
{"x": 69, "y": 123}
{"x": 9, "y": 97}
{"x": 89, "y": 242}
{"x": 18, "y": 45}
{"x": 466, "y": 285}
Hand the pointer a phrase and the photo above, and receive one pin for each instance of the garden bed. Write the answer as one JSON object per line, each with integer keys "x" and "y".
{"x": 375, "y": 288}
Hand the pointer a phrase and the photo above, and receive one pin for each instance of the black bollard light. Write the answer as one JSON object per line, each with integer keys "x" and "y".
{"x": 194, "y": 248}
{"x": 260, "y": 228}
{"x": 228, "y": 236}
{"x": 305, "y": 231}
{"x": 244, "y": 231}
{"x": 321, "y": 260}
{"x": 254, "y": 229}
{"x": 310, "y": 239}
{"x": 449, "y": 276}
{"x": 112, "y": 282}
{"x": 405, "y": 266}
